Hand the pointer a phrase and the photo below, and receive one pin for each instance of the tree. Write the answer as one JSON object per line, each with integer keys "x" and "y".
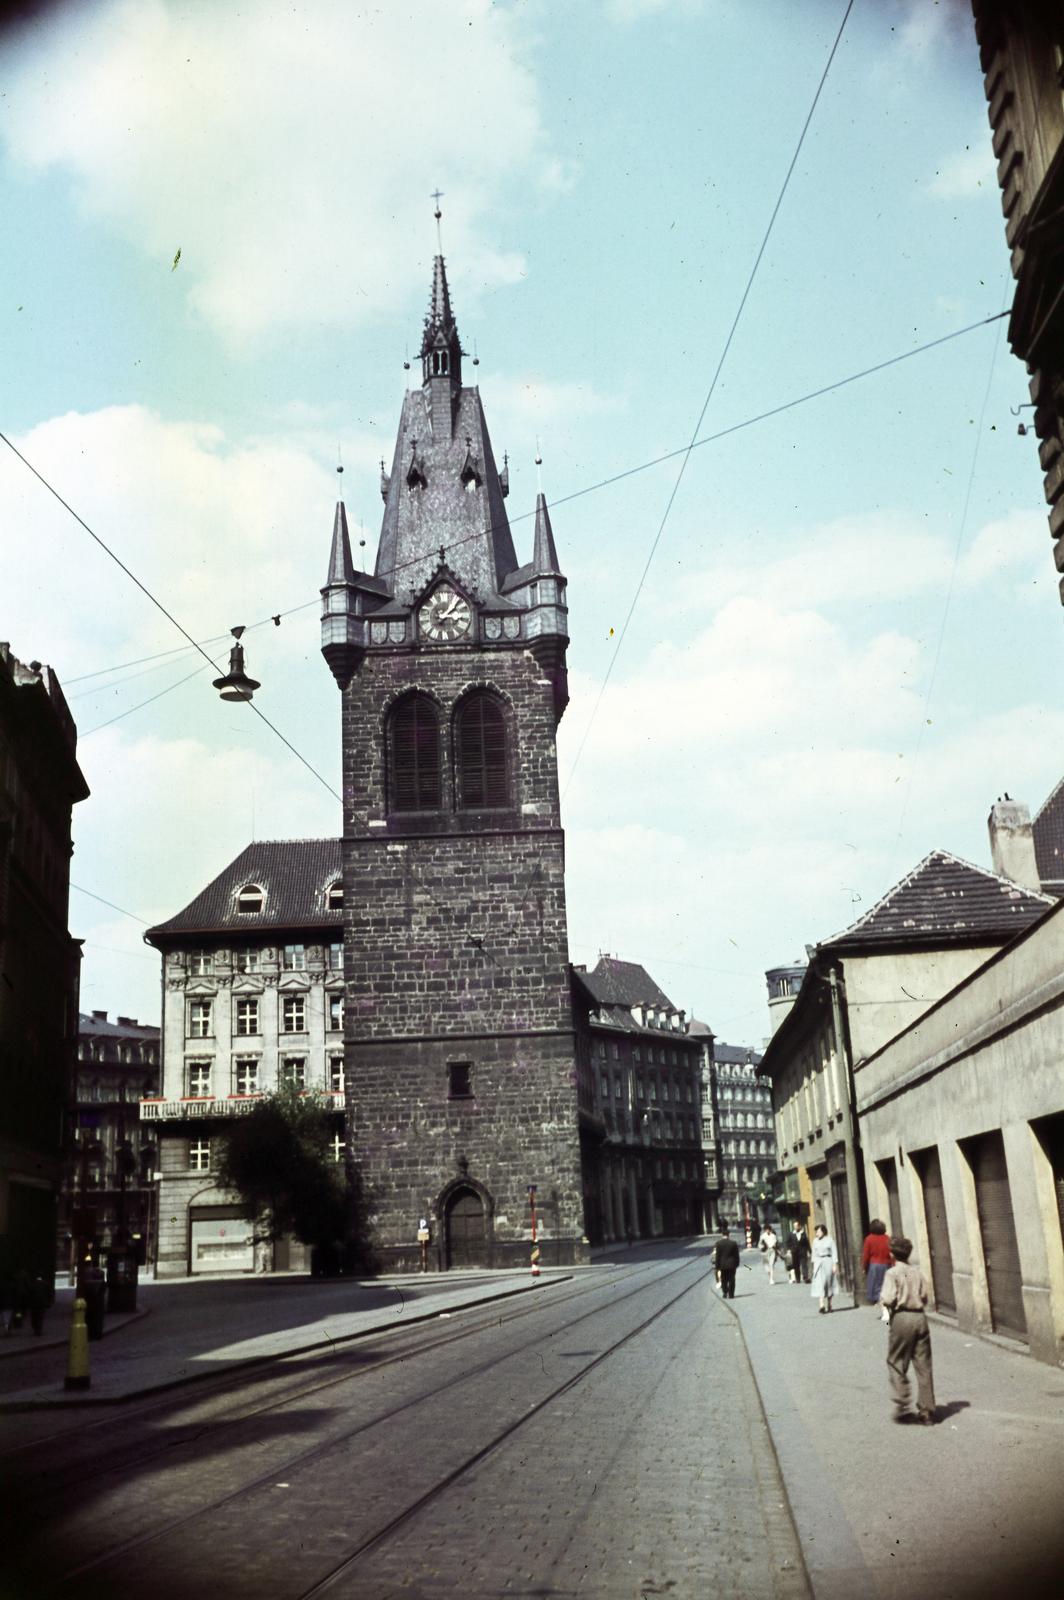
{"x": 278, "y": 1160}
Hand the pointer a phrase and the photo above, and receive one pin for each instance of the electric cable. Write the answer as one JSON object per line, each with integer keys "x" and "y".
{"x": 706, "y": 402}
{"x": 160, "y": 607}
{"x": 150, "y": 701}
{"x": 103, "y": 902}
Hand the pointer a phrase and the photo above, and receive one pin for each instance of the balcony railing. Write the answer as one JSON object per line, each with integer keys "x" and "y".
{"x": 217, "y": 1106}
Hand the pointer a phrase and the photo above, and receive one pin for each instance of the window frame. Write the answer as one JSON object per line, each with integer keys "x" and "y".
{"x": 483, "y": 768}
{"x": 251, "y": 1003}
{"x": 414, "y": 771}
{"x": 289, "y": 1002}
{"x": 200, "y": 1018}
{"x": 460, "y": 1080}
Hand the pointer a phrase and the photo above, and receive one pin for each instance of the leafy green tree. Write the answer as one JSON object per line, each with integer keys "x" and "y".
{"x": 278, "y": 1160}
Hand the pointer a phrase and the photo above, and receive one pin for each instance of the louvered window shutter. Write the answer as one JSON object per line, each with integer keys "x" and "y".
{"x": 414, "y": 750}
{"x": 483, "y": 773}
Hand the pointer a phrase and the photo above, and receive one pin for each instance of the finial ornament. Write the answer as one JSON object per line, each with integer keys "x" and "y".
{"x": 437, "y": 196}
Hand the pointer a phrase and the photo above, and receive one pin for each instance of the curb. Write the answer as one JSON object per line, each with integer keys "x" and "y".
{"x": 61, "y": 1343}
{"x": 64, "y": 1402}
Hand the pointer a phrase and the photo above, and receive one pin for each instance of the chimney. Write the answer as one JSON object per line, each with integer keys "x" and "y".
{"x": 100, "y": 1016}
{"x": 1012, "y": 843}
{"x": 127, "y": 1022}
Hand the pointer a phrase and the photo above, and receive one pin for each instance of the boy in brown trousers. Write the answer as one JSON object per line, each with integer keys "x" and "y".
{"x": 903, "y": 1297}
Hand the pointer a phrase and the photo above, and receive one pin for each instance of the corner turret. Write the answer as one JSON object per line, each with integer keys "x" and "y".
{"x": 347, "y": 597}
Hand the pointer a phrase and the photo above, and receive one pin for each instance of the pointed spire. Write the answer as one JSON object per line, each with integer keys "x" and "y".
{"x": 341, "y": 567}
{"x": 441, "y": 349}
{"x": 544, "y": 554}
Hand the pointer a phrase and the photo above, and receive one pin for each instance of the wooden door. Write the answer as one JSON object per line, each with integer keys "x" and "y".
{"x": 840, "y": 1208}
{"x": 466, "y": 1245}
{"x": 1001, "y": 1254}
{"x": 929, "y": 1170}
{"x": 888, "y": 1171}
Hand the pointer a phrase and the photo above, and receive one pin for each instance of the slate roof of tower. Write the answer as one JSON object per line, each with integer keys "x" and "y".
{"x": 624, "y": 983}
{"x": 294, "y": 873}
{"x": 1048, "y": 829}
{"x": 944, "y": 900}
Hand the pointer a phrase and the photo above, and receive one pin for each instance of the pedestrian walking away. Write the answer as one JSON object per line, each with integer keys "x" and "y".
{"x": 875, "y": 1259}
{"x": 770, "y": 1248}
{"x": 903, "y": 1298}
{"x": 825, "y": 1264}
{"x": 726, "y": 1262}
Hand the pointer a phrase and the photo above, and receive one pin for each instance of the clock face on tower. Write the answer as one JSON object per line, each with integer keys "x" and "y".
{"x": 445, "y": 615}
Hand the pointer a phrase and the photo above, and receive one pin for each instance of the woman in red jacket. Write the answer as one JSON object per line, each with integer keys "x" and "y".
{"x": 875, "y": 1259}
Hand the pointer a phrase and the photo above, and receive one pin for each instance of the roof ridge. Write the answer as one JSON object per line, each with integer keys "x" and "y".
{"x": 895, "y": 888}
{"x": 1050, "y": 797}
{"x": 999, "y": 877}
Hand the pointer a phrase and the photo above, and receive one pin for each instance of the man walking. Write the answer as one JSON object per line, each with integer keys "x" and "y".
{"x": 726, "y": 1261}
{"x": 903, "y": 1297}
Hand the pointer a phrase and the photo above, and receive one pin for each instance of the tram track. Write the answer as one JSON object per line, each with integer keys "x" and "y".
{"x": 303, "y": 1459}
{"x": 208, "y": 1387}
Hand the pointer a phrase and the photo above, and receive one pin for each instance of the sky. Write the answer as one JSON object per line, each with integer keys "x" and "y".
{"x": 218, "y": 256}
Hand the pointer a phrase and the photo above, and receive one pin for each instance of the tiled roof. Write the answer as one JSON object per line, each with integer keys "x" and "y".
{"x": 294, "y": 875}
{"x": 734, "y": 1055}
{"x": 91, "y": 1027}
{"x": 1048, "y": 829}
{"x": 625, "y": 983}
{"x": 945, "y": 900}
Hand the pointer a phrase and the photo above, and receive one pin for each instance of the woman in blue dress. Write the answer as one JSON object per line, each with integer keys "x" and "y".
{"x": 825, "y": 1261}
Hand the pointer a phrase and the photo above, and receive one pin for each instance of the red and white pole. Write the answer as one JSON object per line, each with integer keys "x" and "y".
{"x": 535, "y": 1246}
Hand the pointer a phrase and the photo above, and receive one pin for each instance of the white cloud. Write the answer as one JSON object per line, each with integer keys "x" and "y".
{"x": 304, "y": 216}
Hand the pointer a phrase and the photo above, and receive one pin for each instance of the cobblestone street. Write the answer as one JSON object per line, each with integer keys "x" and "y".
{"x": 621, "y": 1432}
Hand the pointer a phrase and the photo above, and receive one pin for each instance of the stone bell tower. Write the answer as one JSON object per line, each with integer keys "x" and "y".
{"x": 459, "y": 1038}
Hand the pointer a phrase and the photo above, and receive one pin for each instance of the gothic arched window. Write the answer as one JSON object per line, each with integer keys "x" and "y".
{"x": 414, "y": 755}
{"x": 483, "y": 777}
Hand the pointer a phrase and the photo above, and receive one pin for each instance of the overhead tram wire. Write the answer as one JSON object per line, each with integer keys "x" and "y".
{"x": 709, "y": 396}
{"x": 141, "y": 704}
{"x": 121, "y": 909}
{"x": 601, "y": 483}
{"x": 160, "y": 607}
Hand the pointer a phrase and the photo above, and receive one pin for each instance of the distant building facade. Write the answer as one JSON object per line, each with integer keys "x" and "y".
{"x": 645, "y": 1171}
{"x": 746, "y": 1133}
{"x": 783, "y": 984}
{"x": 114, "y": 1154}
{"x": 40, "y": 783}
{"x": 863, "y": 987}
{"x": 709, "y": 1124}
{"x": 253, "y": 996}
{"x": 1021, "y": 48}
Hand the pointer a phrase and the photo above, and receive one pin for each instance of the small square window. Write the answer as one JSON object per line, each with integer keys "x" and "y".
{"x": 246, "y": 960}
{"x": 334, "y": 897}
{"x": 459, "y": 1080}
{"x": 295, "y": 958}
{"x": 200, "y": 962}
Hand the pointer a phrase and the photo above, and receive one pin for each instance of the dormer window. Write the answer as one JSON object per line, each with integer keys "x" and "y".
{"x": 250, "y": 900}
{"x": 334, "y": 896}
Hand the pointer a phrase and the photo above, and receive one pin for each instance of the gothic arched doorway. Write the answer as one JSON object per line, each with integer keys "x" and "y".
{"x": 466, "y": 1238}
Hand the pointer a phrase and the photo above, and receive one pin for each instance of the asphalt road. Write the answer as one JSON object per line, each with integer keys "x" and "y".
{"x": 605, "y": 1439}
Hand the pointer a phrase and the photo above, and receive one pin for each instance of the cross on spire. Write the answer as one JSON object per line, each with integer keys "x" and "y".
{"x": 437, "y": 196}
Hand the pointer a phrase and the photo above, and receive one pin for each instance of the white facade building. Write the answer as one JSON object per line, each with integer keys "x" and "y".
{"x": 253, "y": 996}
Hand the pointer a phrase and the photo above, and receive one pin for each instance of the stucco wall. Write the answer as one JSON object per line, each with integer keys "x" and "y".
{"x": 990, "y": 1056}
{"x": 886, "y": 992}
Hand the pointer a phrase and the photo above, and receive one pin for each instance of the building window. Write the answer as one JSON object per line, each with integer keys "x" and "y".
{"x": 336, "y": 1013}
{"x": 480, "y": 753}
{"x": 664, "y": 1088}
{"x": 246, "y": 960}
{"x": 247, "y": 1016}
{"x": 338, "y": 1146}
{"x": 413, "y": 741}
{"x": 604, "y": 1085}
{"x": 199, "y": 1019}
{"x": 334, "y": 896}
{"x": 199, "y": 1155}
{"x": 336, "y": 956}
{"x": 640, "y": 1089}
{"x": 295, "y": 958}
{"x": 653, "y": 1089}
{"x": 250, "y": 900}
{"x": 294, "y": 1013}
{"x": 200, "y": 963}
{"x": 459, "y": 1080}
{"x": 199, "y": 1079}
{"x": 294, "y": 1072}
{"x": 246, "y": 1076}
{"x": 618, "y": 1088}
{"x": 336, "y": 1074}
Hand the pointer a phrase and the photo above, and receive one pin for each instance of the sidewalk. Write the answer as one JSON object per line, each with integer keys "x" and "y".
{"x": 186, "y": 1331}
{"x": 969, "y": 1508}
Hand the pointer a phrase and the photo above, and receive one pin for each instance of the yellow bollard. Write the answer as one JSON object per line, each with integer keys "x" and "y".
{"x": 77, "y": 1374}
